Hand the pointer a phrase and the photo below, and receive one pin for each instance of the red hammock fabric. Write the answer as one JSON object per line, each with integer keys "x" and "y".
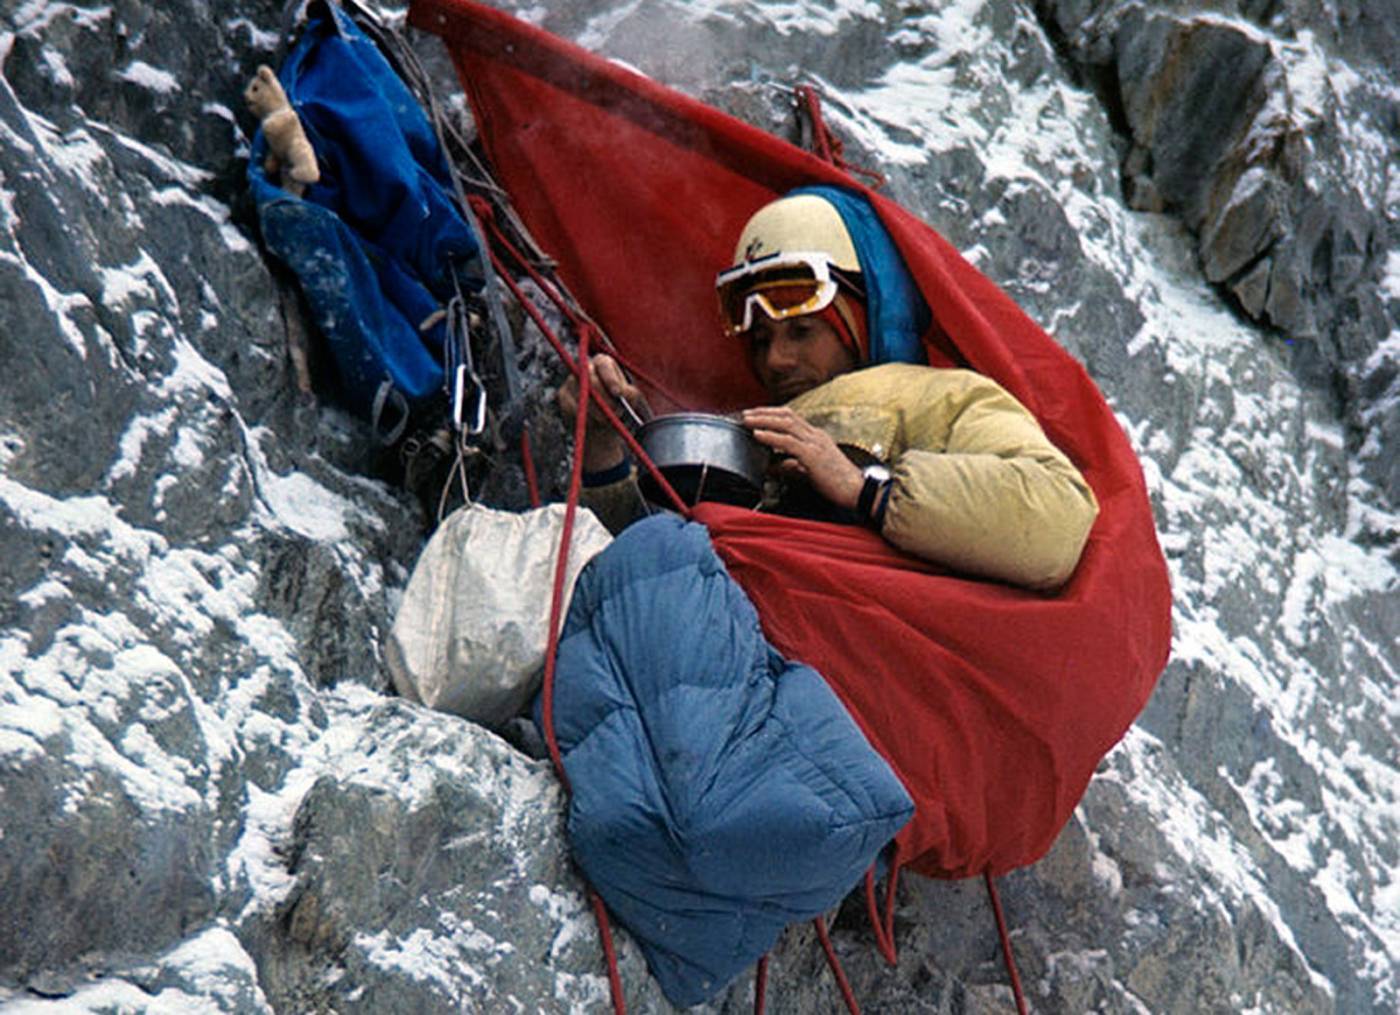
{"x": 993, "y": 704}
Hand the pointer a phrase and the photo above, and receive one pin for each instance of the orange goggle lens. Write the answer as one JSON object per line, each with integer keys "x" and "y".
{"x": 780, "y": 291}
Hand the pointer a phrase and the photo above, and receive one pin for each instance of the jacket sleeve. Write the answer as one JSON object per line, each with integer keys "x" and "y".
{"x": 981, "y": 489}
{"x": 617, "y": 504}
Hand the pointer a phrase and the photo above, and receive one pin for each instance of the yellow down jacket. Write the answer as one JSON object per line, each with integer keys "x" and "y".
{"x": 977, "y": 486}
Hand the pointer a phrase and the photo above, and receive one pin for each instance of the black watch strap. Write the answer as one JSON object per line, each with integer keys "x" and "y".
{"x": 868, "y": 491}
{"x": 873, "y": 496}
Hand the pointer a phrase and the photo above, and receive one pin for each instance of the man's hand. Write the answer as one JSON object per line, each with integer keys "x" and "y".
{"x": 812, "y": 453}
{"x": 603, "y": 448}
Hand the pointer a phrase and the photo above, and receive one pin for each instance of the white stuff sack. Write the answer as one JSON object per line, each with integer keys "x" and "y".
{"x": 471, "y": 633}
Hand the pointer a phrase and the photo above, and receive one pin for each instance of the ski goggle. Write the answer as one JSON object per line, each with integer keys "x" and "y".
{"x": 783, "y": 284}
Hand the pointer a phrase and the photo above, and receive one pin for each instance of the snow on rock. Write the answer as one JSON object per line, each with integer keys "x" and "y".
{"x": 209, "y": 800}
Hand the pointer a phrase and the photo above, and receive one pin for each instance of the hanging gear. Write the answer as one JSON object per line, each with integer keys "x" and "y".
{"x": 379, "y": 243}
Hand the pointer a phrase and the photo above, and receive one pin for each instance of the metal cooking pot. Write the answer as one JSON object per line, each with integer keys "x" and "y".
{"x": 705, "y": 458}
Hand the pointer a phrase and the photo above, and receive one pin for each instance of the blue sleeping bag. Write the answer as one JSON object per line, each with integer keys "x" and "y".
{"x": 720, "y": 792}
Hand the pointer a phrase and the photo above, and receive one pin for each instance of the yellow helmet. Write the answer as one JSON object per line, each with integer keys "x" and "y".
{"x": 802, "y": 222}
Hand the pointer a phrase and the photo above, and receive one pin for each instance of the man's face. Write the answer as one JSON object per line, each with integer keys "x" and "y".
{"x": 796, "y": 355}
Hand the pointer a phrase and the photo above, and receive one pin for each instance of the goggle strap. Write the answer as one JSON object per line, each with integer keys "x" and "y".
{"x": 818, "y": 262}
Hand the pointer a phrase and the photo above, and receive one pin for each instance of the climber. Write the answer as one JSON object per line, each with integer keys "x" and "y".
{"x": 943, "y": 463}
{"x": 667, "y": 696}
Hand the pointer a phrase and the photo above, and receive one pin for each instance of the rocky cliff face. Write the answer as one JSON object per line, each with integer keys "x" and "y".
{"x": 208, "y": 800}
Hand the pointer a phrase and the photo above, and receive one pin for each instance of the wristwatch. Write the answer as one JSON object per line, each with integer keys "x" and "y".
{"x": 870, "y": 505}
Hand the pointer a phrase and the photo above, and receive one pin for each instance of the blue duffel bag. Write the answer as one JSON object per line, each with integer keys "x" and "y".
{"x": 379, "y": 244}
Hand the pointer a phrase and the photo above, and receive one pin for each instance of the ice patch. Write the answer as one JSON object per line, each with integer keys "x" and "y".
{"x": 216, "y": 211}
{"x": 260, "y": 38}
{"x": 303, "y": 505}
{"x": 1201, "y": 838}
{"x": 216, "y": 975}
{"x": 61, "y": 305}
{"x": 446, "y": 960}
{"x": 118, "y": 995}
{"x": 141, "y": 278}
{"x": 1291, "y": 829}
{"x": 257, "y": 859}
{"x": 179, "y": 172}
{"x": 206, "y": 960}
{"x": 1390, "y": 276}
{"x": 791, "y": 17}
{"x": 34, "y": 16}
{"x": 58, "y": 69}
{"x": 133, "y": 442}
{"x": 79, "y": 685}
{"x": 95, "y": 517}
{"x": 193, "y": 374}
{"x": 139, "y": 72}
{"x": 75, "y": 152}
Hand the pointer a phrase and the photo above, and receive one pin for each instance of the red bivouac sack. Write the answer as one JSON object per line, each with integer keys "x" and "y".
{"x": 993, "y": 704}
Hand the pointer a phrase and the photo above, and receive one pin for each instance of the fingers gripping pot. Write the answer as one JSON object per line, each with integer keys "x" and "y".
{"x": 705, "y": 458}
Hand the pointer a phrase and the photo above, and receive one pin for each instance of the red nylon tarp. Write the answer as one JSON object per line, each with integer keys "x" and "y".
{"x": 993, "y": 704}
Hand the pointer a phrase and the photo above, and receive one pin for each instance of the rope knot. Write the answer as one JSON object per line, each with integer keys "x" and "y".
{"x": 482, "y": 208}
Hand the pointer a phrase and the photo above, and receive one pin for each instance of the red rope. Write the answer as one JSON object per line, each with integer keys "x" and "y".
{"x": 551, "y": 659}
{"x": 826, "y": 144}
{"x": 486, "y": 214}
{"x": 883, "y": 927}
{"x": 579, "y": 367}
{"x": 556, "y": 601}
{"x": 831, "y": 960}
{"x": 527, "y": 461}
{"x": 822, "y": 141}
{"x": 608, "y": 414}
{"x": 760, "y": 986}
{"x": 600, "y": 914}
{"x": 1006, "y": 952}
